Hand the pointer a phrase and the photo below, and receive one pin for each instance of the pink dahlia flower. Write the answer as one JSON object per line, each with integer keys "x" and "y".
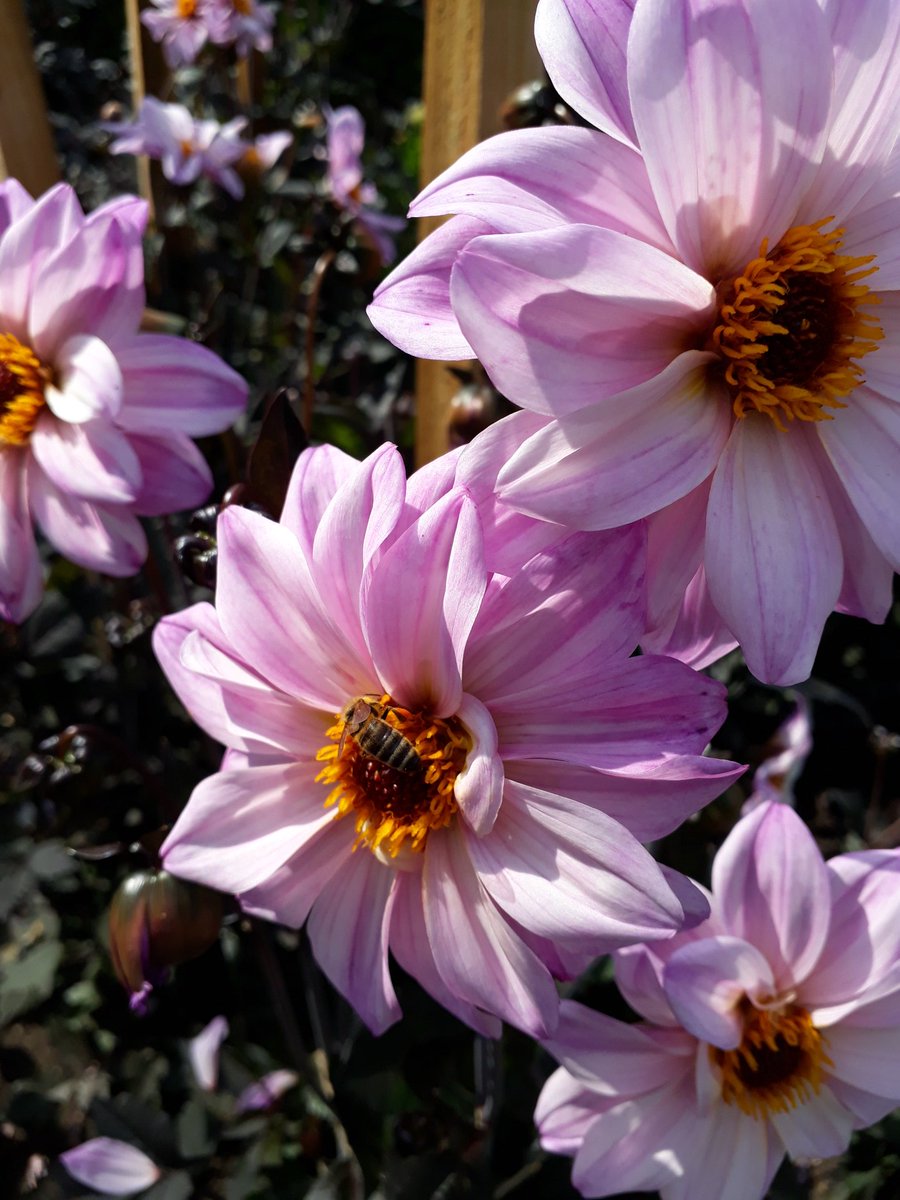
{"x": 183, "y": 27}
{"x": 695, "y": 301}
{"x": 346, "y": 135}
{"x": 429, "y": 758}
{"x": 244, "y": 24}
{"x": 187, "y": 147}
{"x": 96, "y": 419}
{"x": 773, "y": 1028}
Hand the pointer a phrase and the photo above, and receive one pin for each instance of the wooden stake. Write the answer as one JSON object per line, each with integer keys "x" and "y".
{"x": 149, "y": 74}
{"x": 27, "y": 152}
{"x": 476, "y": 52}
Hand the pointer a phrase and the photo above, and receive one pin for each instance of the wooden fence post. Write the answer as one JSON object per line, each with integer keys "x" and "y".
{"x": 26, "y": 141}
{"x": 476, "y": 52}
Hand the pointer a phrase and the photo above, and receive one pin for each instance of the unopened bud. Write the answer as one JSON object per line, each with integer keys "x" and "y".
{"x": 157, "y": 921}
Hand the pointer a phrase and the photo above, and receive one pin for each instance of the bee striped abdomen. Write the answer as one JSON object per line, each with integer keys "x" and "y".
{"x": 381, "y": 741}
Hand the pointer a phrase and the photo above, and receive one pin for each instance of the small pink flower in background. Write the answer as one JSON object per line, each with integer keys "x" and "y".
{"x": 244, "y": 24}
{"x": 695, "y": 302}
{"x": 183, "y": 27}
{"x": 112, "y": 1167}
{"x": 188, "y": 148}
{"x": 527, "y": 754}
{"x": 775, "y": 777}
{"x": 96, "y": 419}
{"x": 346, "y": 135}
{"x": 773, "y": 1028}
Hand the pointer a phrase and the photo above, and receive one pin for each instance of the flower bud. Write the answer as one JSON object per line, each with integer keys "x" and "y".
{"x": 155, "y": 922}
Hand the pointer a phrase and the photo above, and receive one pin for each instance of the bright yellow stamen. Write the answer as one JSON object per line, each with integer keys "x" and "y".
{"x": 186, "y": 9}
{"x": 23, "y": 378}
{"x": 778, "y": 1064}
{"x": 792, "y": 325}
{"x": 395, "y": 810}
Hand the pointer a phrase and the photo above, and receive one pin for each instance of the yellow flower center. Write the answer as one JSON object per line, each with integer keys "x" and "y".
{"x": 186, "y": 9}
{"x": 792, "y": 325}
{"x": 244, "y": 7}
{"x": 23, "y": 378}
{"x": 394, "y": 770}
{"x": 778, "y": 1064}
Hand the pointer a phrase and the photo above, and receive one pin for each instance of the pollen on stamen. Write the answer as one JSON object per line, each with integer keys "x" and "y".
{"x": 23, "y": 378}
{"x": 395, "y": 810}
{"x": 778, "y": 1065}
{"x": 793, "y": 325}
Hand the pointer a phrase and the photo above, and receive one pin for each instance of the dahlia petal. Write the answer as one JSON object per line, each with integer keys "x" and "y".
{"x": 649, "y": 708}
{"x": 650, "y": 799}
{"x": 547, "y": 864}
{"x": 175, "y": 475}
{"x": 97, "y": 536}
{"x": 867, "y": 588}
{"x": 421, "y": 602}
{"x": 21, "y": 578}
{"x": 260, "y": 719}
{"x": 721, "y": 80}
{"x": 613, "y": 1059}
{"x": 317, "y": 475}
{"x": 582, "y": 597}
{"x": 90, "y": 381}
{"x": 432, "y": 481}
{"x": 94, "y": 461}
{"x": 263, "y": 1093}
{"x": 505, "y": 182}
{"x": 510, "y": 538}
{"x": 412, "y": 950}
{"x": 130, "y": 211}
{"x": 768, "y": 511}
{"x": 26, "y": 244}
{"x": 883, "y": 366}
{"x": 202, "y": 694}
{"x": 705, "y": 980}
{"x": 348, "y": 931}
{"x": 674, "y": 553}
{"x": 616, "y": 462}
{"x": 861, "y": 960}
{"x": 239, "y": 827}
{"x": 270, "y": 611}
{"x": 359, "y": 518}
{"x": 623, "y": 1148}
{"x": 863, "y": 444}
{"x": 772, "y": 889}
{"x": 582, "y": 44}
{"x": 109, "y": 1166}
{"x": 478, "y": 955}
{"x": 564, "y": 1110}
{"x": 729, "y": 1158}
{"x": 865, "y": 1058}
{"x": 564, "y": 317}
{"x": 15, "y": 202}
{"x": 288, "y": 895}
{"x": 866, "y": 39}
{"x": 176, "y": 386}
{"x": 203, "y": 1052}
{"x": 866, "y": 1108}
{"x": 698, "y": 636}
{"x": 93, "y": 285}
{"x": 873, "y": 230}
{"x": 412, "y": 308}
{"x": 820, "y": 1128}
{"x": 479, "y": 786}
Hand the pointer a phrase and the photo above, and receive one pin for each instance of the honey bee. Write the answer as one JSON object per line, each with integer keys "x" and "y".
{"x": 364, "y": 722}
